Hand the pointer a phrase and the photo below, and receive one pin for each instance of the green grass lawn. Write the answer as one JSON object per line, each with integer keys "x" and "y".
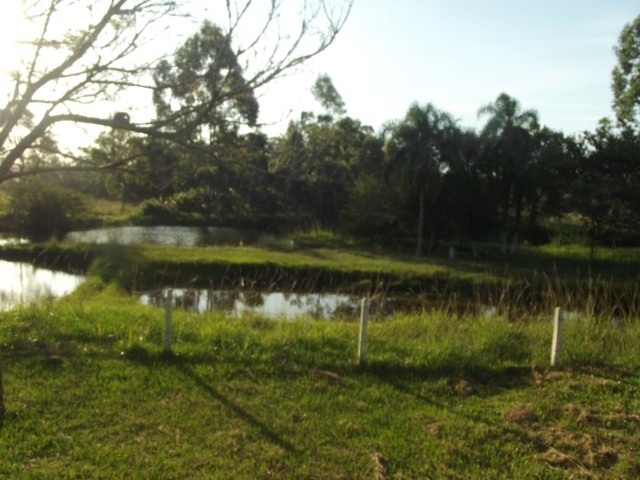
{"x": 90, "y": 394}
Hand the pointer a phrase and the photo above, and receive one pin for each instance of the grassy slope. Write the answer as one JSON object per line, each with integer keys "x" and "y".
{"x": 90, "y": 395}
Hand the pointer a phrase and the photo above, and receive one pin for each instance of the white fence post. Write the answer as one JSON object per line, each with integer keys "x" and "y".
{"x": 362, "y": 340}
{"x": 556, "y": 343}
{"x": 168, "y": 306}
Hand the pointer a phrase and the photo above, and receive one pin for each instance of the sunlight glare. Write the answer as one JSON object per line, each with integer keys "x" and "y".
{"x": 11, "y": 24}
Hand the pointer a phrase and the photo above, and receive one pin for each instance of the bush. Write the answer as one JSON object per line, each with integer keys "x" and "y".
{"x": 43, "y": 210}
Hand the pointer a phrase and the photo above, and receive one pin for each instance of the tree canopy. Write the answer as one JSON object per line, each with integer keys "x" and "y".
{"x": 626, "y": 75}
{"x": 194, "y": 151}
{"x": 116, "y": 51}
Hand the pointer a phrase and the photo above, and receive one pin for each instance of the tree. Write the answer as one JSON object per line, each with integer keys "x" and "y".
{"x": 464, "y": 192}
{"x": 626, "y": 75}
{"x": 44, "y": 209}
{"x": 318, "y": 161}
{"x": 205, "y": 71}
{"x": 604, "y": 192}
{"x": 419, "y": 150}
{"x": 326, "y": 94}
{"x": 508, "y": 147}
{"x": 77, "y": 77}
{"x": 150, "y": 170}
{"x": 550, "y": 171}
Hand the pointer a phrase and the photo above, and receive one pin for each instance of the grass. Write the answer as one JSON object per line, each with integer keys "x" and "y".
{"x": 533, "y": 281}
{"x": 526, "y": 285}
{"x": 89, "y": 393}
{"x": 109, "y": 212}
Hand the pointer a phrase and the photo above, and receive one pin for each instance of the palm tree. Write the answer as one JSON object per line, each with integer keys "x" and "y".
{"x": 509, "y": 144}
{"x": 418, "y": 150}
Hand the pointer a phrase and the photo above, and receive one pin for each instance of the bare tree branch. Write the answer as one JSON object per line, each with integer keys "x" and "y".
{"x": 114, "y": 47}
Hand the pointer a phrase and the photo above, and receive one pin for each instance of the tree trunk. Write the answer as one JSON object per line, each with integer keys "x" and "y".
{"x": 519, "y": 204}
{"x": 420, "y": 246}
{"x": 514, "y": 244}
{"x": 503, "y": 243}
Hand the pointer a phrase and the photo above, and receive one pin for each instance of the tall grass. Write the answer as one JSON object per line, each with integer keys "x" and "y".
{"x": 437, "y": 338}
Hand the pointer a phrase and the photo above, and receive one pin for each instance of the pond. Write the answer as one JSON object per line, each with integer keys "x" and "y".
{"x": 22, "y": 283}
{"x": 275, "y": 305}
{"x": 168, "y": 235}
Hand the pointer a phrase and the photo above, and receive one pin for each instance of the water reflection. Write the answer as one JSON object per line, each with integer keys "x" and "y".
{"x": 167, "y": 235}
{"x": 4, "y": 241}
{"x": 275, "y": 305}
{"x": 22, "y": 283}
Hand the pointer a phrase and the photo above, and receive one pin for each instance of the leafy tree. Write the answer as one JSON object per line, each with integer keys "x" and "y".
{"x": 205, "y": 72}
{"x": 549, "y": 172}
{"x": 320, "y": 161}
{"x": 604, "y": 192}
{"x": 327, "y": 95}
{"x": 75, "y": 76}
{"x": 419, "y": 150}
{"x": 508, "y": 148}
{"x": 149, "y": 170}
{"x": 44, "y": 209}
{"x": 464, "y": 192}
{"x": 373, "y": 208}
{"x": 626, "y": 75}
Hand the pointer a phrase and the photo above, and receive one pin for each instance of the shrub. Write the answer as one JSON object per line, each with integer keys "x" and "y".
{"x": 43, "y": 210}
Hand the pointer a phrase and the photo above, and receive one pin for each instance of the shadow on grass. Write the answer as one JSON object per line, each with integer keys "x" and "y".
{"x": 264, "y": 429}
{"x": 480, "y": 382}
{"x": 490, "y": 379}
{"x": 141, "y": 356}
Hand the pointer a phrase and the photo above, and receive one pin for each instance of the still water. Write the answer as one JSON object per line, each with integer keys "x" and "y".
{"x": 22, "y": 283}
{"x": 167, "y": 235}
{"x": 276, "y": 305}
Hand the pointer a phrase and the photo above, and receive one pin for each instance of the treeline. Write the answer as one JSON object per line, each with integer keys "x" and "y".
{"x": 204, "y": 159}
{"x": 422, "y": 177}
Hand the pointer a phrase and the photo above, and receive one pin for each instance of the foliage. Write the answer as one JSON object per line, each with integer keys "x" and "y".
{"x": 626, "y": 75}
{"x": 373, "y": 209}
{"x": 326, "y": 94}
{"x": 112, "y": 53}
{"x": 205, "y": 71}
{"x": 203, "y": 159}
{"x": 604, "y": 191}
{"x": 507, "y": 160}
{"x": 420, "y": 149}
{"x": 316, "y": 163}
{"x": 43, "y": 209}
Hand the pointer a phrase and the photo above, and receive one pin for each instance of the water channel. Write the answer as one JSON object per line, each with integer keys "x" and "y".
{"x": 22, "y": 283}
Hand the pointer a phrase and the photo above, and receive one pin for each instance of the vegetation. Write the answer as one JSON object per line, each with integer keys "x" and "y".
{"x": 86, "y": 388}
{"x": 203, "y": 159}
{"x": 89, "y": 394}
{"x": 113, "y": 56}
{"x": 626, "y": 75}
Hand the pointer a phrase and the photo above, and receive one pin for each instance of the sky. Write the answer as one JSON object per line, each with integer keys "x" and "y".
{"x": 554, "y": 56}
